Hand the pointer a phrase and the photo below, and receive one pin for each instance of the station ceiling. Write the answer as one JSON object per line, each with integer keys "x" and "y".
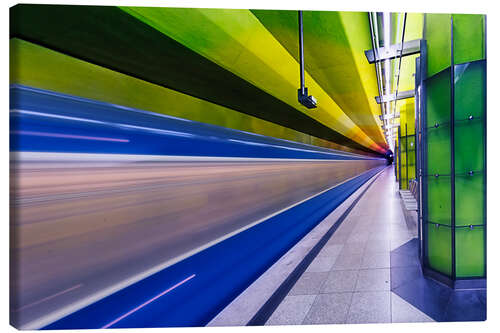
{"x": 245, "y": 60}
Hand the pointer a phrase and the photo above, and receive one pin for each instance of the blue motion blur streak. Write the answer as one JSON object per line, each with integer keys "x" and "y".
{"x": 222, "y": 271}
{"x": 44, "y": 121}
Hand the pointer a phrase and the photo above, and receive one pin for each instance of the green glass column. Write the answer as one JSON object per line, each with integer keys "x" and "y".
{"x": 454, "y": 171}
{"x": 406, "y": 143}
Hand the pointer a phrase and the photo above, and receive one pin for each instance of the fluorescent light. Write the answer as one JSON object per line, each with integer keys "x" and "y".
{"x": 387, "y": 42}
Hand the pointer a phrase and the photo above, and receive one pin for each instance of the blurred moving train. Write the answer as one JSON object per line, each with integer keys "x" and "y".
{"x": 126, "y": 218}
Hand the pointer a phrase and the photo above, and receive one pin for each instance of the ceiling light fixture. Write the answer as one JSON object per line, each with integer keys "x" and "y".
{"x": 304, "y": 98}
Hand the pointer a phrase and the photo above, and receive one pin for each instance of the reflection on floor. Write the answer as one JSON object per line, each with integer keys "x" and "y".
{"x": 369, "y": 272}
{"x": 432, "y": 298}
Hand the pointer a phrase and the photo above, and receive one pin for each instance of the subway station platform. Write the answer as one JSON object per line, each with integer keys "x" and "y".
{"x": 366, "y": 271}
{"x": 191, "y": 167}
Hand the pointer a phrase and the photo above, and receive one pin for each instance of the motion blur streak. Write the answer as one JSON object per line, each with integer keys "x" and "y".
{"x": 99, "y": 224}
{"x": 148, "y": 302}
{"x": 68, "y": 136}
{"x": 124, "y": 203}
{"x": 48, "y": 297}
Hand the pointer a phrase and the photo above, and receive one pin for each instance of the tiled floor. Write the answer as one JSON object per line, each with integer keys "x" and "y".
{"x": 369, "y": 272}
{"x": 430, "y": 297}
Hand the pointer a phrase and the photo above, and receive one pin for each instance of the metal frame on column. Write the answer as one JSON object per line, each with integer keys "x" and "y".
{"x": 406, "y": 156}
{"x": 417, "y": 155}
{"x": 452, "y": 167}
{"x": 420, "y": 97}
{"x": 424, "y": 215}
{"x": 396, "y": 162}
{"x": 485, "y": 164}
{"x": 399, "y": 155}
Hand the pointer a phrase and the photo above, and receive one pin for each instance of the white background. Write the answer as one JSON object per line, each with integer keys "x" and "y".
{"x": 437, "y": 6}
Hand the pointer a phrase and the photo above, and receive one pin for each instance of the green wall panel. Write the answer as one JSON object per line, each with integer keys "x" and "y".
{"x": 439, "y": 151}
{"x": 469, "y": 143}
{"x": 439, "y": 98}
{"x": 470, "y": 90}
{"x": 439, "y": 112}
{"x": 469, "y": 101}
{"x": 403, "y": 181}
{"x": 470, "y": 42}
{"x": 407, "y": 161}
{"x": 411, "y": 158}
{"x": 407, "y": 125}
{"x": 470, "y": 256}
{"x": 469, "y": 200}
{"x": 437, "y": 32}
{"x": 439, "y": 248}
{"x": 410, "y": 117}
{"x": 439, "y": 200}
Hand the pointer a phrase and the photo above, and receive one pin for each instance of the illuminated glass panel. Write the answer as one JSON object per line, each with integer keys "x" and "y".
{"x": 437, "y": 32}
{"x": 470, "y": 256}
{"x": 469, "y": 200}
{"x": 469, "y": 42}
{"x": 439, "y": 248}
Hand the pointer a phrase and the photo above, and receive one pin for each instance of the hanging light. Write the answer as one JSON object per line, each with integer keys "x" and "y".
{"x": 304, "y": 98}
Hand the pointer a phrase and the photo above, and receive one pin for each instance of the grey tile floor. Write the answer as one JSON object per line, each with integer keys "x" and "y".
{"x": 350, "y": 279}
